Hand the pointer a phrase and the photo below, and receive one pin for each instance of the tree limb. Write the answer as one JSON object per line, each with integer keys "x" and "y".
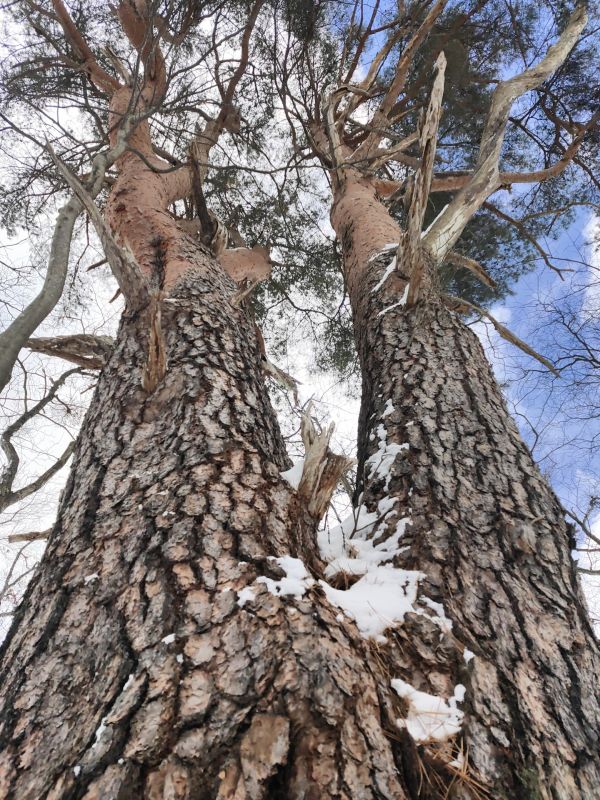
{"x": 90, "y": 352}
{"x": 411, "y": 244}
{"x": 7, "y": 495}
{"x": 99, "y": 77}
{"x": 131, "y": 281}
{"x": 485, "y": 179}
{"x": 380, "y": 116}
{"x": 30, "y": 536}
{"x": 474, "y": 266}
{"x": 16, "y": 334}
{"x": 463, "y": 306}
{"x": 138, "y": 27}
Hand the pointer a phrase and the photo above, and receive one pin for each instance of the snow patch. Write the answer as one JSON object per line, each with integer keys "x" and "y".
{"x": 430, "y": 717}
{"x": 245, "y": 595}
{"x": 77, "y": 770}
{"x": 385, "y": 249}
{"x": 383, "y": 593}
{"x": 380, "y": 463}
{"x": 440, "y": 618}
{"x": 128, "y": 682}
{"x": 296, "y": 581}
{"x": 388, "y": 271}
{"x": 380, "y": 599}
{"x": 358, "y": 556}
{"x": 99, "y": 732}
{"x": 169, "y": 638}
{"x": 401, "y": 302}
{"x": 294, "y": 474}
{"x": 89, "y": 578}
{"x": 468, "y": 655}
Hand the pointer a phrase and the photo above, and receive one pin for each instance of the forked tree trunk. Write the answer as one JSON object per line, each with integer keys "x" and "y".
{"x": 486, "y": 530}
{"x": 135, "y": 669}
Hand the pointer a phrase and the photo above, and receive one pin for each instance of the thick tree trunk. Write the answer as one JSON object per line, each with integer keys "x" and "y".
{"x": 486, "y": 530}
{"x": 134, "y": 668}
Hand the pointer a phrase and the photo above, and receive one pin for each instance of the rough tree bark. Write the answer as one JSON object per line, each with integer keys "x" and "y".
{"x": 157, "y": 655}
{"x": 486, "y": 529}
{"x": 131, "y": 669}
{"x": 147, "y": 658}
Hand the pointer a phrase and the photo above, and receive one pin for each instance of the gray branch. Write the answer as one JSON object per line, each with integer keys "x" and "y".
{"x": 7, "y": 478}
{"x": 486, "y": 177}
{"x": 84, "y": 349}
{"x": 17, "y": 333}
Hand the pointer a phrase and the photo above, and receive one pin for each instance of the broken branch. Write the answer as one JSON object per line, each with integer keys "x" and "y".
{"x": 84, "y": 349}
{"x": 473, "y": 266}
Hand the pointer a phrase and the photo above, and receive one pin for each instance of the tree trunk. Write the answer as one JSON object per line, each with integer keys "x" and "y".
{"x": 133, "y": 667}
{"x": 485, "y": 529}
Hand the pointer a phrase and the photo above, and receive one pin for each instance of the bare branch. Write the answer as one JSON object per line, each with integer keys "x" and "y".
{"x": 454, "y": 182}
{"x": 30, "y": 536}
{"x": 526, "y": 235}
{"x": 131, "y": 281}
{"x": 380, "y": 117}
{"x": 21, "y": 328}
{"x": 485, "y": 179}
{"x": 464, "y": 307}
{"x": 411, "y": 243}
{"x": 99, "y": 77}
{"x": 7, "y": 495}
{"x": 90, "y": 352}
{"x": 473, "y": 266}
{"x": 34, "y": 486}
{"x": 138, "y": 27}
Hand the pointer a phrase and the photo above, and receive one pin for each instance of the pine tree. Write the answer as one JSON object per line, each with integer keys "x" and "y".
{"x": 184, "y": 636}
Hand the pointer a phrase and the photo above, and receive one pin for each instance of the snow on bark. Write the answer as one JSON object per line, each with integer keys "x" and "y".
{"x": 430, "y": 718}
{"x": 514, "y": 629}
{"x": 296, "y": 581}
{"x": 176, "y": 502}
{"x": 379, "y": 600}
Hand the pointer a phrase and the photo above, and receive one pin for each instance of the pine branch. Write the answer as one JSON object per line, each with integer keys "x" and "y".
{"x": 463, "y": 306}
{"x": 486, "y": 177}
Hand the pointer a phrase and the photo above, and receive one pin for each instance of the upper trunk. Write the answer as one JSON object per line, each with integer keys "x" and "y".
{"x": 485, "y": 528}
